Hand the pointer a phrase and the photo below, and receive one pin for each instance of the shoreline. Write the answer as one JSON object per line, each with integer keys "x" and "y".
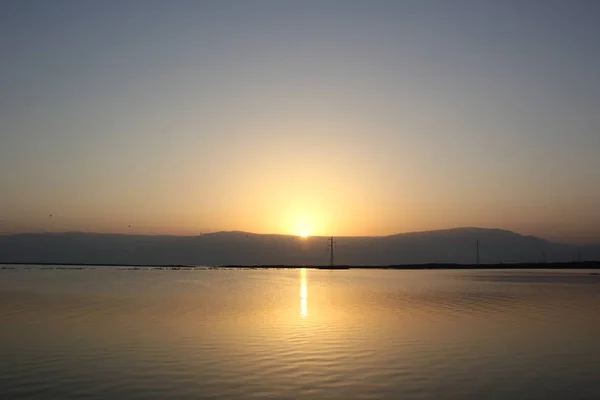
{"x": 433, "y": 266}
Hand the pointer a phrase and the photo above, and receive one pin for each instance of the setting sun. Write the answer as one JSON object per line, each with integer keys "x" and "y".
{"x": 304, "y": 226}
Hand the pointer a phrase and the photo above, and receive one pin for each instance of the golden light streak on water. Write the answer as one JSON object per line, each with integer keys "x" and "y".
{"x": 303, "y": 293}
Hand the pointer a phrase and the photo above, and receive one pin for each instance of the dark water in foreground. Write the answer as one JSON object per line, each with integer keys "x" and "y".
{"x": 290, "y": 334}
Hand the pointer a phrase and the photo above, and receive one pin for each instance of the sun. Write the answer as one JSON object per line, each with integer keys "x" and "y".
{"x": 303, "y": 227}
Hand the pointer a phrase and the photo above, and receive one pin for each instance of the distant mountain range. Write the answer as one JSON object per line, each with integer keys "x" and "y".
{"x": 241, "y": 248}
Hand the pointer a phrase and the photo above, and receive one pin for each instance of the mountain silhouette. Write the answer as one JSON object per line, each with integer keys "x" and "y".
{"x": 243, "y": 248}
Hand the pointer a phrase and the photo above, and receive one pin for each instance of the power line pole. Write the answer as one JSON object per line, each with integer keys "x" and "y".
{"x": 330, "y": 243}
{"x": 477, "y": 250}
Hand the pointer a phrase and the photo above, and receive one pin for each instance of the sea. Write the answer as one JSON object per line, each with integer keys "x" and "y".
{"x": 206, "y": 333}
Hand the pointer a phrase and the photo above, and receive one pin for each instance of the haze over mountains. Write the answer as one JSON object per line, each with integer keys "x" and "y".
{"x": 241, "y": 248}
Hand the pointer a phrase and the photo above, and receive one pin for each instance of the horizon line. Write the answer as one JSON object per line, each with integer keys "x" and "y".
{"x": 288, "y": 234}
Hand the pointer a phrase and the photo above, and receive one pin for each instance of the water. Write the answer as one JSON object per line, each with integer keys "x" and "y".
{"x": 289, "y": 334}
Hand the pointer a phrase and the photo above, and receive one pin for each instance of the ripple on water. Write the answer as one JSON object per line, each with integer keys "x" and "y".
{"x": 297, "y": 334}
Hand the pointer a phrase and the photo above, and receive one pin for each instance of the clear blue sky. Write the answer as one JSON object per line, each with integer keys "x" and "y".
{"x": 331, "y": 117}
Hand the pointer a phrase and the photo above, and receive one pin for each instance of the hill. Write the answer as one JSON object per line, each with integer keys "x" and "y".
{"x": 242, "y": 248}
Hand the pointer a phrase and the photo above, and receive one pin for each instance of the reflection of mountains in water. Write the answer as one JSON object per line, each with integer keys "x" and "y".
{"x": 452, "y": 246}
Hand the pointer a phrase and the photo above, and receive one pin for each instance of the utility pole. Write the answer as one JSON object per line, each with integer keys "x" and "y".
{"x": 477, "y": 249}
{"x": 330, "y": 243}
{"x": 544, "y": 256}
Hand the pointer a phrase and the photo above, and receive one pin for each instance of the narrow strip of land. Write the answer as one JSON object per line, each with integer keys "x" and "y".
{"x": 553, "y": 265}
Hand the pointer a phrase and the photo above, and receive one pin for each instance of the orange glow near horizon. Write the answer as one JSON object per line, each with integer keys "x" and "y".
{"x": 269, "y": 196}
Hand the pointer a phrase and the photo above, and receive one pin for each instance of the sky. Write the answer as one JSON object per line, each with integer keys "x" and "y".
{"x": 319, "y": 117}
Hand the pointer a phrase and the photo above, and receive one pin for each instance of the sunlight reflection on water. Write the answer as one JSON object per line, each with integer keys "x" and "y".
{"x": 303, "y": 293}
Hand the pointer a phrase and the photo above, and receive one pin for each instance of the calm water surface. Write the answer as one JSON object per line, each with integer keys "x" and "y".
{"x": 290, "y": 334}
